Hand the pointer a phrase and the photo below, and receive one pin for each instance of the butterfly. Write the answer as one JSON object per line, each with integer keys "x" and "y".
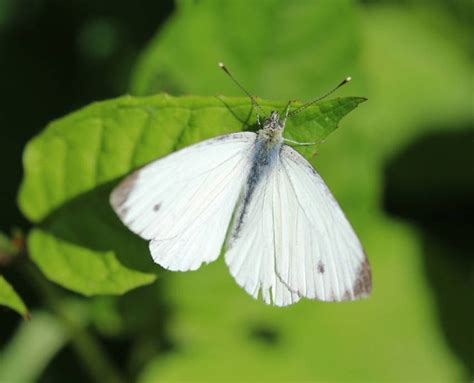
{"x": 284, "y": 235}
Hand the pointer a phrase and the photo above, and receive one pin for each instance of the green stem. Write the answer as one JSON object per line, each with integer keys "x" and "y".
{"x": 87, "y": 348}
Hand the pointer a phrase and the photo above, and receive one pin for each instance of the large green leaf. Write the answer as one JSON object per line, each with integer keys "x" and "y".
{"x": 71, "y": 167}
{"x": 9, "y": 298}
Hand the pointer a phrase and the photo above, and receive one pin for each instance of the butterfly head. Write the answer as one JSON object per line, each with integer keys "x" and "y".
{"x": 272, "y": 130}
{"x": 274, "y": 123}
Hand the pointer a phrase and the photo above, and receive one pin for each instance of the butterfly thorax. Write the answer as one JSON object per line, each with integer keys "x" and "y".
{"x": 267, "y": 146}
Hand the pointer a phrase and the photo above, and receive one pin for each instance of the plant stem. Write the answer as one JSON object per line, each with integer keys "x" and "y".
{"x": 87, "y": 348}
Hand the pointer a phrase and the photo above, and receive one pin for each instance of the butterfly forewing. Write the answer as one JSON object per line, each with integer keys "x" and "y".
{"x": 183, "y": 203}
{"x": 318, "y": 254}
{"x": 294, "y": 240}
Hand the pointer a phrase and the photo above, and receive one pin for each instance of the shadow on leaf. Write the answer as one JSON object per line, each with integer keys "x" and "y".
{"x": 431, "y": 184}
{"x": 89, "y": 221}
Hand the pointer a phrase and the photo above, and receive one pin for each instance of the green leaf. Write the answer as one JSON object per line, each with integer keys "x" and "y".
{"x": 87, "y": 270}
{"x": 273, "y": 47}
{"x": 9, "y": 298}
{"x": 71, "y": 167}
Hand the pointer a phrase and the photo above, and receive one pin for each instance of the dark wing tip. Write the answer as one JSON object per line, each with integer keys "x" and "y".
{"x": 121, "y": 192}
{"x": 363, "y": 284}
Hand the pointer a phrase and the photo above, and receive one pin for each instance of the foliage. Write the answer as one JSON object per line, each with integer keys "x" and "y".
{"x": 71, "y": 166}
{"x": 35, "y": 344}
{"x": 199, "y": 326}
{"x": 9, "y": 298}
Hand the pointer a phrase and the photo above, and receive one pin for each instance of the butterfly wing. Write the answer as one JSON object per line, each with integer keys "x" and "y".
{"x": 294, "y": 240}
{"x": 251, "y": 246}
{"x": 183, "y": 203}
{"x": 317, "y": 255}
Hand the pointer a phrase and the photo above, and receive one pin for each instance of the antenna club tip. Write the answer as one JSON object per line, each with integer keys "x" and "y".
{"x": 348, "y": 78}
{"x": 221, "y": 64}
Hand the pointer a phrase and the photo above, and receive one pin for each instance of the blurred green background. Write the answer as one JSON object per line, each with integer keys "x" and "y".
{"x": 401, "y": 166}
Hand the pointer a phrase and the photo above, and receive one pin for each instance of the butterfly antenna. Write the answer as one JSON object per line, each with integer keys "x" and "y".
{"x": 254, "y": 101}
{"x": 303, "y": 107}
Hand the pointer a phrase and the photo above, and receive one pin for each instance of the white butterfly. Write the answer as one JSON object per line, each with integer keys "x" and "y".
{"x": 284, "y": 233}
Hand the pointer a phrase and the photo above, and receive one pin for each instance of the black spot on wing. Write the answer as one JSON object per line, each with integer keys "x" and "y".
{"x": 321, "y": 268}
